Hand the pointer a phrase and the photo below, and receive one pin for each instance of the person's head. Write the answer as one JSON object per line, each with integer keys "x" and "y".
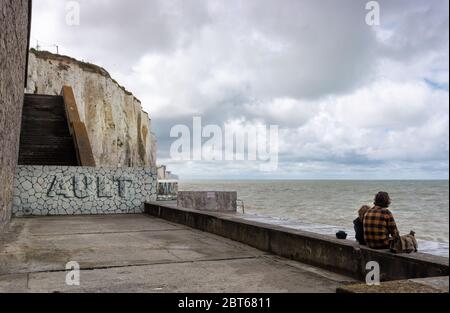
{"x": 382, "y": 199}
{"x": 362, "y": 211}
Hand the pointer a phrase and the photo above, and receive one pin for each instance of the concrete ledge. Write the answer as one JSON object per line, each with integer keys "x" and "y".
{"x": 425, "y": 285}
{"x": 340, "y": 256}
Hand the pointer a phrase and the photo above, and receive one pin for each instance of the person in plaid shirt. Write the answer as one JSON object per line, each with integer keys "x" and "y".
{"x": 379, "y": 223}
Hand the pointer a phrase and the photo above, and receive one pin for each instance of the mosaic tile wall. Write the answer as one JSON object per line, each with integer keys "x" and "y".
{"x": 62, "y": 190}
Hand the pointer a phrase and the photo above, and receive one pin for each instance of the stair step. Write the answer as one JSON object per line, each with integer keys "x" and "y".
{"x": 44, "y": 146}
{"x": 50, "y": 128}
{"x": 36, "y": 140}
{"x": 42, "y": 99}
{"x": 47, "y": 162}
{"x": 43, "y": 113}
{"x": 44, "y": 153}
{"x": 46, "y": 128}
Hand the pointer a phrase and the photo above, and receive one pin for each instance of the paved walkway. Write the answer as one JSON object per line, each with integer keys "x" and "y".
{"x": 137, "y": 253}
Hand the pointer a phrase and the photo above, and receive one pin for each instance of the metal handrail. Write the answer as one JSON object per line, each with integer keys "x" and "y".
{"x": 77, "y": 128}
{"x": 240, "y": 204}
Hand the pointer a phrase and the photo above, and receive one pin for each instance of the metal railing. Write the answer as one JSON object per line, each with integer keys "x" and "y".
{"x": 240, "y": 205}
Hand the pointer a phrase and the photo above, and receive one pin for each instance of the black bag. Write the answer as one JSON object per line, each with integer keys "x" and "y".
{"x": 341, "y": 235}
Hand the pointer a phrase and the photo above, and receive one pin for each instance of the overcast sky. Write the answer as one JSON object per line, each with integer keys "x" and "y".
{"x": 352, "y": 101}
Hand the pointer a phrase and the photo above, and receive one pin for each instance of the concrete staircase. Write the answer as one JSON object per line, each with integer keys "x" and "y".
{"x": 45, "y": 136}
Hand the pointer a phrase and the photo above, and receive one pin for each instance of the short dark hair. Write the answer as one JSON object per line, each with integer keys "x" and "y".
{"x": 382, "y": 199}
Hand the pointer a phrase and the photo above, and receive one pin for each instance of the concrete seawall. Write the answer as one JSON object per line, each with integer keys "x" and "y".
{"x": 340, "y": 256}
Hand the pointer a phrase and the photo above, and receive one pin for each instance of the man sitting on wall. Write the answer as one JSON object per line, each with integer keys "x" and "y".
{"x": 379, "y": 223}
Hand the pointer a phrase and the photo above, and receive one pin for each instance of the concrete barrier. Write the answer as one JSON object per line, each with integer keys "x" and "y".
{"x": 341, "y": 256}
{"x": 213, "y": 201}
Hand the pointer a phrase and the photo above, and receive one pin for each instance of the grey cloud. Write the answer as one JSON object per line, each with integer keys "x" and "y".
{"x": 327, "y": 46}
{"x": 226, "y": 60}
{"x": 418, "y": 27}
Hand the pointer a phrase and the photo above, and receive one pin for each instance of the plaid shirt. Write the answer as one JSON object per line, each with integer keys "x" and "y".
{"x": 378, "y": 225}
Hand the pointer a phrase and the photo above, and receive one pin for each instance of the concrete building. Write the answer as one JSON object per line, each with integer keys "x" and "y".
{"x": 15, "y": 21}
{"x": 164, "y": 174}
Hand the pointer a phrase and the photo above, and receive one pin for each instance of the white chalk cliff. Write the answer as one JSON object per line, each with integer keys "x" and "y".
{"x": 118, "y": 128}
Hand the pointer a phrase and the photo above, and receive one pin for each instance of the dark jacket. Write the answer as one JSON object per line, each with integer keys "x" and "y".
{"x": 359, "y": 231}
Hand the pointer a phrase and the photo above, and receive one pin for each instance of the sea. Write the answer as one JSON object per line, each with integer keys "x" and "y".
{"x": 327, "y": 207}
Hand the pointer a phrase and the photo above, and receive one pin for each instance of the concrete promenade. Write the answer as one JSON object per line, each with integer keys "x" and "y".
{"x": 139, "y": 253}
{"x": 324, "y": 251}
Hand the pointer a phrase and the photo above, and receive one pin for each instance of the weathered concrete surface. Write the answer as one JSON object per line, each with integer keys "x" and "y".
{"x": 137, "y": 253}
{"x": 327, "y": 252}
{"x": 13, "y": 54}
{"x": 213, "y": 201}
{"x": 425, "y": 285}
{"x": 72, "y": 190}
{"x": 119, "y": 130}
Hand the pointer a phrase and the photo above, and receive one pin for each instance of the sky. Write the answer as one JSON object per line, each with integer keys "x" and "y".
{"x": 351, "y": 100}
